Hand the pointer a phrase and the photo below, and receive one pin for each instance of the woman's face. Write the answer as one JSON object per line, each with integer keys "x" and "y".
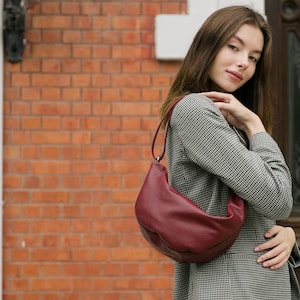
{"x": 235, "y": 63}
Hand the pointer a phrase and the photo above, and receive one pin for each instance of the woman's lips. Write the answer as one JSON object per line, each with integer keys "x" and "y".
{"x": 235, "y": 75}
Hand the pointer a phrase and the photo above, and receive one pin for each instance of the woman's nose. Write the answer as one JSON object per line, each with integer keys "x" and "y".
{"x": 243, "y": 60}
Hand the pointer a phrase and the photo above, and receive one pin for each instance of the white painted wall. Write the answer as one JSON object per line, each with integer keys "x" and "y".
{"x": 174, "y": 33}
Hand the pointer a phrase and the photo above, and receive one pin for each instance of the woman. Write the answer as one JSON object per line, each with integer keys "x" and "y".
{"x": 219, "y": 139}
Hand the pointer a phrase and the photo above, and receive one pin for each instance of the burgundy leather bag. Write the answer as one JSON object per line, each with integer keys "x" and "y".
{"x": 175, "y": 225}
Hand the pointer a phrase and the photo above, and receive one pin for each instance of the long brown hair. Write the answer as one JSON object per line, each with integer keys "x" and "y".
{"x": 215, "y": 32}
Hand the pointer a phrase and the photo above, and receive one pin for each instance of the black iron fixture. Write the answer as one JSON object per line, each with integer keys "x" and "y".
{"x": 13, "y": 30}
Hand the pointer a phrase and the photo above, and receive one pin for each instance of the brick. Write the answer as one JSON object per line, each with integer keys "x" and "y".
{"x": 51, "y": 36}
{"x": 72, "y": 152}
{"x": 113, "y": 8}
{"x": 71, "y": 269}
{"x": 131, "y": 37}
{"x": 31, "y": 123}
{"x": 110, "y": 269}
{"x": 91, "y": 8}
{"x": 92, "y": 181}
{"x": 91, "y": 37}
{"x": 50, "y": 152}
{"x": 81, "y": 167}
{"x": 111, "y": 240}
{"x": 30, "y": 296}
{"x": 81, "y": 226}
{"x": 20, "y": 284}
{"x": 32, "y": 65}
{"x": 92, "y": 240}
{"x": 82, "y": 22}
{"x": 81, "y": 80}
{"x": 113, "y": 211}
{"x": 11, "y": 181}
{"x": 33, "y": 36}
{"x": 51, "y": 51}
{"x": 111, "y": 152}
{"x": 70, "y": 8}
{"x": 71, "y": 182}
{"x": 31, "y": 94}
{"x": 50, "y": 254}
{"x": 50, "y": 269}
{"x": 151, "y": 9}
{"x": 91, "y": 94}
{"x": 18, "y": 108}
{"x": 18, "y": 255}
{"x": 90, "y": 152}
{"x": 31, "y": 211}
{"x": 71, "y": 36}
{"x": 12, "y": 211}
{"x": 20, "y": 196}
{"x": 50, "y": 226}
{"x": 101, "y": 255}
{"x": 82, "y": 51}
{"x": 102, "y": 51}
{"x": 11, "y": 152}
{"x": 50, "y": 8}
{"x": 131, "y": 269}
{"x": 129, "y": 51}
{"x": 51, "y": 123}
{"x": 71, "y": 94}
{"x": 50, "y": 182}
{"x": 101, "y": 22}
{"x": 111, "y": 37}
{"x": 91, "y": 269}
{"x": 11, "y": 93}
{"x": 81, "y": 137}
{"x": 50, "y": 137}
{"x": 53, "y": 21}
{"x": 54, "y": 284}
{"x": 51, "y": 94}
{"x": 50, "y": 211}
{"x": 133, "y": 9}
{"x": 49, "y": 196}
{"x": 31, "y": 182}
{"x": 91, "y": 66}
{"x": 8, "y": 296}
{"x": 51, "y": 66}
{"x": 30, "y": 269}
{"x": 56, "y": 80}
{"x": 71, "y": 240}
{"x": 130, "y": 254}
{"x": 11, "y": 241}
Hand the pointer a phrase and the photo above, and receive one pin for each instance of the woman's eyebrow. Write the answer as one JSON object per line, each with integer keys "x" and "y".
{"x": 243, "y": 43}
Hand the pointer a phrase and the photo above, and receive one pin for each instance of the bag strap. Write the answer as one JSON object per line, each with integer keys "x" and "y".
{"x": 168, "y": 117}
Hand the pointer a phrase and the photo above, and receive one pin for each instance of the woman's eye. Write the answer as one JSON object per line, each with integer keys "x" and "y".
{"x": 254, "y": 59}
{"x": 233, "y": 47}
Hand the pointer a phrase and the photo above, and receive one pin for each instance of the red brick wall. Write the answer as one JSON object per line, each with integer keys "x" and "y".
{"x": 79, "y": 113}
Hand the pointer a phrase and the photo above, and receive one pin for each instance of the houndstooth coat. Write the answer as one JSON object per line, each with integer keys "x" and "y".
{"x": 207, "y": 157}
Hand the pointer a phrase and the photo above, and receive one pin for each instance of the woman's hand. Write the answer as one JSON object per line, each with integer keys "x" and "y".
{"x": 280, "y": 244}
{"x": 236, "y": 113}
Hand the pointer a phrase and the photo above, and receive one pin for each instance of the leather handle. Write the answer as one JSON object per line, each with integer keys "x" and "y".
{"x": 167, "y": 115}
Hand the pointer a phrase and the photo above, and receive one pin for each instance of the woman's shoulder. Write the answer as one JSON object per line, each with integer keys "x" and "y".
{"x": 195, "y": 104}
{"x": 195, "y": 99}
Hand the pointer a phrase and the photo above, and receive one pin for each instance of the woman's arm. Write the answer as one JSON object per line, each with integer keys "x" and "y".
{"x": 281, "y": 242}
{"x": 257, "y": 174}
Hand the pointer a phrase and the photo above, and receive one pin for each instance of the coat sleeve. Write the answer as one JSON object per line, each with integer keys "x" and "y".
{"x": 257, "y": 174}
